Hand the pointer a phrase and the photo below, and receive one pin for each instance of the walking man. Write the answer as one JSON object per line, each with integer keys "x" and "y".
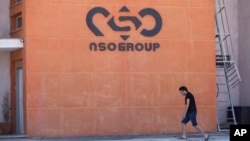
{"x": 190, "y": 113}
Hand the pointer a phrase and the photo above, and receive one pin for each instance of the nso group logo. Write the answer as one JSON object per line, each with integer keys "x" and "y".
{"x": 125, "y": 45}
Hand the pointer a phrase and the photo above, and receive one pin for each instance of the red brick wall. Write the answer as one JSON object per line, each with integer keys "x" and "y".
{"x": 73, "y": 91}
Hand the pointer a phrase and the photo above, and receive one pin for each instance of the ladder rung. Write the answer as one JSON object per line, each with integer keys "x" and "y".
{"x": 217, "y": 34}
{"x": 224, "y": 130}
{"x": 235, "y": 76}
{"x": 232, "y": 72}
{"x": 231, "y": 66}
{"x": 226, "y": 36}
{"x": 220, "y": 9}
{"x": 235, "y": 81}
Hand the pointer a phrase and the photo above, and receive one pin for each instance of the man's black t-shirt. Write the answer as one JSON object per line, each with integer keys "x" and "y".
{"x": 192, "y": 105}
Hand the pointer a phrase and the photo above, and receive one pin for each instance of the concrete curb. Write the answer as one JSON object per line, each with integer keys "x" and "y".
{"x": 219, "y": 136}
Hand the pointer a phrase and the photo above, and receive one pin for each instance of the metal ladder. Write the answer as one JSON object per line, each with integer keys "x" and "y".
{"x": 227, "y": 75}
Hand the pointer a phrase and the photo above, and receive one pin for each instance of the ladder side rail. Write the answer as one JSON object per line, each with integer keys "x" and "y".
{"x": 234, "y": 66}
{"x": 225, "y": 66}
{"x": 228, "y": 28}
{"x": 238, "y": 74}
{"x": 224, "y": 21}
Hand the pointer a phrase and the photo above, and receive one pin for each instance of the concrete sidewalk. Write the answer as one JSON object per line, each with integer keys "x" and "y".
{"x": 219, "y": 136}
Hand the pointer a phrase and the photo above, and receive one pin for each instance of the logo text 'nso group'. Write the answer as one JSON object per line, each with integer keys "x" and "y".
{"x": 125, "y": 45}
